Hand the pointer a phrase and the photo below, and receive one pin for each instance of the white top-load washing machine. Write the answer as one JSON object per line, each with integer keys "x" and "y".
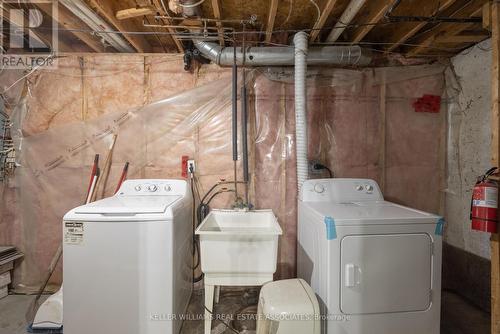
{"x": 128, "y": 260}
{"x": 374, "y": 265}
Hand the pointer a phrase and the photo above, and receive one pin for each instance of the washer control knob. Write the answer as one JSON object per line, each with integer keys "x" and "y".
{"x": 138, "y": 188}
{"x": 319, "y": 188}
{"x": 369, "y": 187}
{"x": 359, "y": 188}
{"x": 152, "y": 188}
{"x": 168, "y": 188}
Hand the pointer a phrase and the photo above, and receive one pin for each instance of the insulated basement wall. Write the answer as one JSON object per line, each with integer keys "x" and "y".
{"x": 361, "y": 124}
{"x": 469, "y": 146}
{"x": 466, "y": 252}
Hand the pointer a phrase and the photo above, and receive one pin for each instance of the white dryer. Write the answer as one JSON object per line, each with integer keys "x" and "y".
{"x": 128, "y": 260}
{"x": 375, "y": 265}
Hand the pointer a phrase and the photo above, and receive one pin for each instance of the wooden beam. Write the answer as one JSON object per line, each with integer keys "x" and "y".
{"x": 134, "y": 12}
{"x": 69, "y": 21}
{"x": 322, "y": 19}
{"x": 406, "y": 35}
{"x": 459, "y": 39}
{"x": 217, "y": 15}
{"x": 376, "y": 16}
{"x": 177, "y": 42}
{"x": 105, "y": 9}
{"x": 487, "y": 16}
{"x": 42, "y": 35}
{"x": 273, "y": 9}
{"x": 382, "y": 155}
{"x": 495, "y": 161}
{"x": 472, "y": 9}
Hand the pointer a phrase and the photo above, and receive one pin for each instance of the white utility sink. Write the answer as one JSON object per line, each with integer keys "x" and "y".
{"x": 237, "y": 248}
{"x": 239, "y": 243}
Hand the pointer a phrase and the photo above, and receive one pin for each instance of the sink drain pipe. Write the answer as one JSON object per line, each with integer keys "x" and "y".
{"x": 300, "y": 43}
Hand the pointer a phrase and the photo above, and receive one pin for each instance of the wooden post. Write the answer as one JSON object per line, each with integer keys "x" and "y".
{"x": 495, "y": 158}
{"x": 83, "y": 74}
{"x": 382, "y": 130}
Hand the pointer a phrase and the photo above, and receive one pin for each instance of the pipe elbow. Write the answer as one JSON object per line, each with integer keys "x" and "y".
{"x": 211, "y": 51}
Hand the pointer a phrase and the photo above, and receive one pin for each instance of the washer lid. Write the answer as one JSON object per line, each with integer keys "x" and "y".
{"x": 127, "y": 205}
{"x": 369, "y": 212}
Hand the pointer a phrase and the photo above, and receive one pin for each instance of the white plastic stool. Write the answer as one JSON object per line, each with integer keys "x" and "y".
{"x": 213, "y": 282}
{"x": 288, "y": 307}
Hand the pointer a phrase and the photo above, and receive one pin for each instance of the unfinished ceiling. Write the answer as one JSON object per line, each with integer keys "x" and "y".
{"x": 413, "y": 28}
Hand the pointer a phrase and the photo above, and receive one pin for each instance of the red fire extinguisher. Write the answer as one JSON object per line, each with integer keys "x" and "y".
{"x": 484, "y": 204}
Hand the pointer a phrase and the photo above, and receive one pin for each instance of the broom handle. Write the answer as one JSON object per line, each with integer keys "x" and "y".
{"x": 105, "y": 172}
{"x": 123, "y": 176}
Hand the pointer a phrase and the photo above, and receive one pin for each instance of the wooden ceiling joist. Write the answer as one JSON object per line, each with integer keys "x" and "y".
{"x": 322, "y": 19}
{"x": 42, "y": 35}
{"x": 402, "y": 37}
{"x": 273, "y": 9}
{"x": 376, "y": 16}
{"x": 460, "y": 39}
{"x": 104, "y": 9}
{"x": 69, "y": 21}
{"x": 472, "y": 9}
{"x": 159, "y": 8}
{"x": 133, "y": 12}
{"x": 217, "y": 15}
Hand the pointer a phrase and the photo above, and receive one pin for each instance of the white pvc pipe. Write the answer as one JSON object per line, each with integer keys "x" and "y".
{"x": 346, "y": 18}
{"x": 300, "y": 41}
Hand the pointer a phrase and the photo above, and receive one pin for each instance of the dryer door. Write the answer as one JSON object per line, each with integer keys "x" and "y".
{"x": 385, "y": 273}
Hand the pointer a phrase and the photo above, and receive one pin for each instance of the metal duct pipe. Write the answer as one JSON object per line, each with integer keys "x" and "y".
{"x": 300, "y": 42}
{"x": 191, "y": 8}
{"x": 284, "y": 56}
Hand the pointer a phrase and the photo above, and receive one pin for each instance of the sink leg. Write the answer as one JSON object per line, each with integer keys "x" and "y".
{"x": 209, "y": 304}
{"x": 217, "y": 294}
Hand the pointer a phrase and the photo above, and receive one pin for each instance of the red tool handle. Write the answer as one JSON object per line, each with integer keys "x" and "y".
{"x": 123, "y": 177}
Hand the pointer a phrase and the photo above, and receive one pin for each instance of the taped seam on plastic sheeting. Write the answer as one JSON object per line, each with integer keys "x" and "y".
{"x": 440, "y": 226}
{"x": 331, "y": 230}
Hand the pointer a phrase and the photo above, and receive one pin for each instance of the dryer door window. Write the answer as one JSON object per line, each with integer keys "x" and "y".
{"x": 385, "y": 273}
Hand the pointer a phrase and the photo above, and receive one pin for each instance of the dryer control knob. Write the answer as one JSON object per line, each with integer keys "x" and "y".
{"x": 359, "y": 188}
{"x": 138, "y": 188}
{"x": 168, "y": 188}
{"x": 319, "y": 188}
{"x": 152, "y": 188}
{"x": 369, "y": 188}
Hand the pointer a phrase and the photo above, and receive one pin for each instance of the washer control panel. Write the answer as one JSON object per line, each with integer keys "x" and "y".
{"x": 152, "y": 187}
{"x": 340, "y": 190}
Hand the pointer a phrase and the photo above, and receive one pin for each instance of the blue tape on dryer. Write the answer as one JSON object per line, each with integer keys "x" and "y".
{"x": 440, "y": 227}
{"x": 331, "y": 230}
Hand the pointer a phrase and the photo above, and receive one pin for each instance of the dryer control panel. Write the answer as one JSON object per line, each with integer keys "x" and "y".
{"x": 152, "y": 187}
{"x": 340, "y": 190}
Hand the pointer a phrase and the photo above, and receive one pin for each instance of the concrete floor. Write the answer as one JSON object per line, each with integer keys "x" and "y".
{"x": 458, "y": 317}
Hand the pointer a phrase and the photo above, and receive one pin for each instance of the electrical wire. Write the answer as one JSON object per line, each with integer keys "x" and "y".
{"x": 218, "y": 193}
{"x": 215, "y": 36}
{"x": 249, "y": 32}
{"x": 189, "y": 35}
{"x": 290, "y": 7}
{"x": 190, "y": 5}
{"x": 318, "y": 11}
